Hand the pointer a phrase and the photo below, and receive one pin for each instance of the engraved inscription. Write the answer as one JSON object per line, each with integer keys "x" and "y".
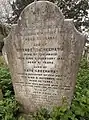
{"x": 40, "y": 69}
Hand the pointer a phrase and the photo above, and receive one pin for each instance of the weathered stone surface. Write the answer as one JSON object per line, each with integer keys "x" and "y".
{"x": 5, "y": 55}
{"x": 43, "y": 52}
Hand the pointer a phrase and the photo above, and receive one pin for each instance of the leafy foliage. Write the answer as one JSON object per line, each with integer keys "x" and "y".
{"x": 79, "y": 110}
{"x": 5, "y": 82}
{"x": 8, "y": 105}
{"x": 76, "y": 10}
{"x": 8, "y": 109}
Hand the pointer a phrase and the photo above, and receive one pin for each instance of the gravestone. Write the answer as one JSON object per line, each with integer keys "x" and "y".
{"x": 43, "y": 52}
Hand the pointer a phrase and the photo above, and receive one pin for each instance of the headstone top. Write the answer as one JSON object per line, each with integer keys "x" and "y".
{"x": 41, "y": 11}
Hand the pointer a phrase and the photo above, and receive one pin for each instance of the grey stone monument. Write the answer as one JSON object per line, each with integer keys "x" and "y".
{"x": 43, "y": 52}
